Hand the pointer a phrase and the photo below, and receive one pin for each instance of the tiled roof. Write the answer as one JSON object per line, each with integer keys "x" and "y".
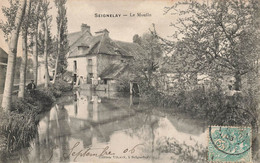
{"x": 100, "y": 44}
{"x": 132, "y": 48}
{"x": 114, "y": 71}
{"x": 72, "y": 37}
{"x": 86, "y": 39}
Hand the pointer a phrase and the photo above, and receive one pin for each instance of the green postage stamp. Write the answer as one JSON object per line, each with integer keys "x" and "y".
{"x": 229, "y": 144}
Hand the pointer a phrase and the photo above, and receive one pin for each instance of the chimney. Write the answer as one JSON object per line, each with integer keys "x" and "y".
{"x": 85, "y": 27}
{"x": 104, "y": 32}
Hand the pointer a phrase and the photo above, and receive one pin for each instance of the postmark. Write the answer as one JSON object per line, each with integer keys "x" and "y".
{"x": 229, "y": 144}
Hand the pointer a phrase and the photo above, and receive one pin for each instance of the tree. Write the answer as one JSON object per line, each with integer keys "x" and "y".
{"x": 147, "y": 61}
{"x": 23, "y": 66}
{"x": 62, "y": 41}
{"x": 36, "y": 17}
{"x": 137, "y": 39}
{"x": 220, "y": 37}
{"x": 46, "y": 23}
{"x": 12, "y": 41}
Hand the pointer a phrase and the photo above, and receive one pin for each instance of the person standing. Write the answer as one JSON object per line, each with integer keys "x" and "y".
{"x": 31, "y": 87}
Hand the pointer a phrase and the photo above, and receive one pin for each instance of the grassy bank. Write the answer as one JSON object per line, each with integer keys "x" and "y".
{"x": 213, "y": 106}
{"x": 19, "y": 126}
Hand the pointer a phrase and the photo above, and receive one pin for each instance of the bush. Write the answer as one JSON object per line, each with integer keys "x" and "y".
{"x": 17, "y": 130}
{"x": 123, "y": 85}
{"x": 211, "y": 105}
{"x": 45, "y": 96}
{"x": 62, "y": 86}
{"x": 56, "y": 93}
{"x": 19, "y": 126}
{"x": 59, "y": 87}
{"x": 22, "y": 105}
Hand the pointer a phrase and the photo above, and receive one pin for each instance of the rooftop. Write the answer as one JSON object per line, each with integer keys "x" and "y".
{"x": 100, "y": 44}
{"x": 114, "y": 71}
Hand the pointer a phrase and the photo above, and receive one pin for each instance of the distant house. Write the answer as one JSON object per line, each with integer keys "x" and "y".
{"x": 3, "y": 66}
{"x": 97, "y": 59}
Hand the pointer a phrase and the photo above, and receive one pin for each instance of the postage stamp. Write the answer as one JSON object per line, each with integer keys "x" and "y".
{"x": 229, "y": 144}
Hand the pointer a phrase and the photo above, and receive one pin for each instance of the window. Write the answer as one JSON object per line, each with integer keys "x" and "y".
{"x": 75, "y": 66}
{"x": 89, "y": 80}
{"x": 105, "y": 81}
{"x": 90, "y": 66}
{"x": 90, "y": 62}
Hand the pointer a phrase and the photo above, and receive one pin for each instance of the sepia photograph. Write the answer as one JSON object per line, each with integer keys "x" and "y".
{"x": 129, "y": 81}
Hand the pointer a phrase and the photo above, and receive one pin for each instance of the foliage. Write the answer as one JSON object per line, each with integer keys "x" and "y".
{"x": 56, "y": 93}
{"x": 29, "y": 75}
{"x": 217, "y": 38}
{"x": 146, "y": 62}
{"x": 50, "y": 42}
{"x": 45, "y": 96}
{"x": 62, "y": 26}
{"x": 17, "y": 130}
{"x": 211, "y": 105}
{"x": 35, "y": 16}
{"x": 142, "y": 68}
{"x": 181, "y": 151}
{"x": 46, "y": 39}
{"x": 62, "y": 86}
{"x": 23, "y": 105}
{"x": 59, "y": 86}
{"x": 9, "y": 13}
{"x": 12, "y": 42}
{"x": 19, "y": 126}
{"x": 123, "y": 85}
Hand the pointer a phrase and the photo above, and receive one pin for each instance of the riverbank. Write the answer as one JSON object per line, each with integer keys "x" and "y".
{"x": 19, "y": 126}
{"x": 213, "y": 106}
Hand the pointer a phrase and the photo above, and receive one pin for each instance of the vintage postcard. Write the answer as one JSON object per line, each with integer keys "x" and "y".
{"x": 120, "y": 81}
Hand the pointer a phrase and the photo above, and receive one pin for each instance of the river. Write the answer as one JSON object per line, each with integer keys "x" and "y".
{"x": 104, "y": 127}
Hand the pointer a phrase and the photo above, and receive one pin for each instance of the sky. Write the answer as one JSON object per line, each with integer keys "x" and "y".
{"x": 121, "y": 28}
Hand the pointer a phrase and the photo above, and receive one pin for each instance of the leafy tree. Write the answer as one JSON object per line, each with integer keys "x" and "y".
{"x": 220, "y": 37}
{"x": 27, "y": 30}
{"x": 29, "y": 68}
{"x": 137, "y": 39}
{"x": 12, "y": 38}
{"x": 46, "y": 25}
{"x": 36, "y": 16}
{"x": 62, "y": 41}
{"x": 145, "y": 64}
{"x": 25, "y": 26}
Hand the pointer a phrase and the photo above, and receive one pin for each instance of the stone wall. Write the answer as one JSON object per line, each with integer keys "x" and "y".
{"x": 81, "y": 65}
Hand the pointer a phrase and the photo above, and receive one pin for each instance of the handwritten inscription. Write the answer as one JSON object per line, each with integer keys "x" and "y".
{"x": 105, "y": 152}
{"x": 131, "y": 150}
{"x": 88, "y": 152}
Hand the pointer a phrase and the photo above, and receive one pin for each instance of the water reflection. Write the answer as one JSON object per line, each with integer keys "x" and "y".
{"x": 86, "y": 123}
